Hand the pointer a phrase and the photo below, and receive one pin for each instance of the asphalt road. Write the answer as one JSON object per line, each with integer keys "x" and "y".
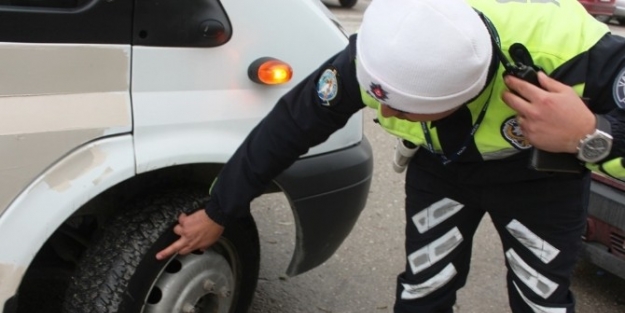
{"x": 360, "y": 277}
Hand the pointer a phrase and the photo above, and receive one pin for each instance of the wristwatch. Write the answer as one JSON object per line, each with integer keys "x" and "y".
{"x": 596, "y": 146}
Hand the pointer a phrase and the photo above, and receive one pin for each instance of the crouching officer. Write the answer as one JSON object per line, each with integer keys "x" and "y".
{"x": 444, "y": 76}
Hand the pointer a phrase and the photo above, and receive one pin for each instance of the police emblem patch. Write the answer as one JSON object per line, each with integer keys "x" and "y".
{"x": 376, "y": 91}
{"x": 511, "y": 132}
{"x": 619, "y": 89}
{"x": 328, "y": 86}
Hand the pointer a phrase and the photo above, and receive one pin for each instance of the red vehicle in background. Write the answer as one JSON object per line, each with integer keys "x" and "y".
{"x": 604, "y": 241}
{"x": 602, "y": 10}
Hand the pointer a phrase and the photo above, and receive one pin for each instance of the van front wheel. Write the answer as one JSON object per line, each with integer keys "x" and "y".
{"x": 120, "y": 273}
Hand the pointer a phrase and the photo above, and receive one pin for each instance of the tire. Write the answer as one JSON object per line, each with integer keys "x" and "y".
{"x": 119, "y": 272}
{"x": 621, "y": 20}
{"x": 348, "y": 3}
{"x": 603, "y": 18}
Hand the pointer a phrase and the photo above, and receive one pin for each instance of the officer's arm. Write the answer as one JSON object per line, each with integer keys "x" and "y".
{"x": 299, "y": 120}
{"x": 605, "y": 91}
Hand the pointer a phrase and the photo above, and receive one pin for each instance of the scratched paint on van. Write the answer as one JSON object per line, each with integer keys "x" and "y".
{"x": 36, "y": 131}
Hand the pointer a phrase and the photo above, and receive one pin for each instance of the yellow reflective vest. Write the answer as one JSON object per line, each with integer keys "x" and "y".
{"x": 539, "y": 26}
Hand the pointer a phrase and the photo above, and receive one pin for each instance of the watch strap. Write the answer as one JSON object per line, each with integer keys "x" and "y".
{"x": 603, "y": 124}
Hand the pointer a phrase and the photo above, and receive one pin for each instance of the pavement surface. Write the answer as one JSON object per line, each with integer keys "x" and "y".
{"x": 360, "y": 277}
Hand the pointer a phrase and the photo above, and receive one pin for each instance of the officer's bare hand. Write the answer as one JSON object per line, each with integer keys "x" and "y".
{"x": 197, "y": 232}
{"x": 553, "y": 118}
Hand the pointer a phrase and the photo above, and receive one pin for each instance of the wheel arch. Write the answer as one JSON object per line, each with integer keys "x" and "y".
{"x": 37, "y": 212}
{"x": 117, "y": 183}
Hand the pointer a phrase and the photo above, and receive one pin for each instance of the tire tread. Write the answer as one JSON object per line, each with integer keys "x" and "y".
{"x": 107, "y": 267}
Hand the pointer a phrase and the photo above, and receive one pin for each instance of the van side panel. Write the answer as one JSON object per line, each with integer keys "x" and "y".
{"x": 54, "y": 98}
{"x": 198, "y": 104}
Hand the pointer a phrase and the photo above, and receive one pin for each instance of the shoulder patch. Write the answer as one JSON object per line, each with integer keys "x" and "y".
{"x": 328, "y": 86}
{"x": 511, "y": 132}
{"x": 619, "y": 89}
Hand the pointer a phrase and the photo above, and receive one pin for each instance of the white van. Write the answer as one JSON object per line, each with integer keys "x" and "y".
{"x": 116, "y": 115}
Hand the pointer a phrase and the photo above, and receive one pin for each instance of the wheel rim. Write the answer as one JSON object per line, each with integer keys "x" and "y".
{"x": 201, "y": 282}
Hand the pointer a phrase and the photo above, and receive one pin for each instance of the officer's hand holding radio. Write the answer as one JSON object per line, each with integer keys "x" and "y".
{"x": 553, "y": 118}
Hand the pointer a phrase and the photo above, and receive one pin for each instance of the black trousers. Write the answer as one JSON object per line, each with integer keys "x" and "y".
{"x": 540, "y": 218}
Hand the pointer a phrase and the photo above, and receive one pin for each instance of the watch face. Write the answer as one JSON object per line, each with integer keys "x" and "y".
{"x": 595, "y": 149}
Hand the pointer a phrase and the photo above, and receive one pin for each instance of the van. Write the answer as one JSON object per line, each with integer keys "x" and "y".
{"x": 116, "y": 116}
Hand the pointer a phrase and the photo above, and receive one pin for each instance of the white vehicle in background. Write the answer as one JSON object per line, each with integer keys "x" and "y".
{"x": 116, "y": 115}
{"x": 619, "y": 12}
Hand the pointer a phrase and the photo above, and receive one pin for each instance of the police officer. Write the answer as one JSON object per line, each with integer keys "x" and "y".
{"x": 444, "y": 76}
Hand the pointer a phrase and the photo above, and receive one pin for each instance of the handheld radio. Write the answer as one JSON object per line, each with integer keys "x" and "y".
{"x": 526, "y": 70}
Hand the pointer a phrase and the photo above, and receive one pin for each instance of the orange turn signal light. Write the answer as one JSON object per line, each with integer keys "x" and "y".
{"x": 270, "y": 71}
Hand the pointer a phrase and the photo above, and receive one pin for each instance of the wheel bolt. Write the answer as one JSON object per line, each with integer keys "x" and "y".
{"x": 209, "y": 285}
{"x": 188, "y": 308}
{"x": 224, "y": 292}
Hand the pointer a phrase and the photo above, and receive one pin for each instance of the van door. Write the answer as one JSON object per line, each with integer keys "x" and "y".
{"x": 64, "y": 81}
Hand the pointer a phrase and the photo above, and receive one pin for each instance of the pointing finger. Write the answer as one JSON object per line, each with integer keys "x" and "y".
{"x": 186, "y": 250}
{"x": 171, "y": 249}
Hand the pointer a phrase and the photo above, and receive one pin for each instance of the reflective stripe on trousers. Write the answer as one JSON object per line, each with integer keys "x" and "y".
{"x": 540, "y": 218}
